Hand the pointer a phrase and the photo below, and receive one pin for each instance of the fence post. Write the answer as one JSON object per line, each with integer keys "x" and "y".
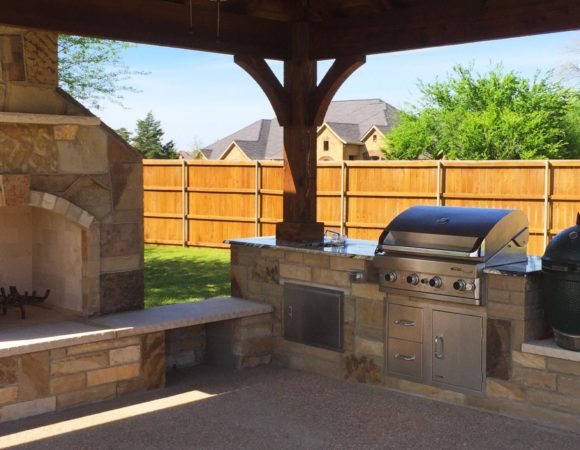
{"x": 439, "y": 167}
{"x": 547, "y": 182}
{"x": 342, "y": 197}
{"x": 184, "y": 206}
{"x": 257, "y": 200}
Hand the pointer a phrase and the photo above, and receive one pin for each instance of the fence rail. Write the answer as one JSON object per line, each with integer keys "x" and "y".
{"x": 202, "y": 203}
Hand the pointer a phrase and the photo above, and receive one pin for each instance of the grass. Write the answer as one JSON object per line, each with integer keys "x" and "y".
{"x": 177, "y": 275}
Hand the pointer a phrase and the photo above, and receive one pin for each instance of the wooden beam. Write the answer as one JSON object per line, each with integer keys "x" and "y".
{"x": 259, "y": 70}
{"x": 154, "y": 22}
{"x": 341, "y": 69}
{"x": 299, "y": 177}
{"x": 441, "y": 22}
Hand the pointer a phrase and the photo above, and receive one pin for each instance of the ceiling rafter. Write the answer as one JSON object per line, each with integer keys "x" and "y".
{"x": 153, "y": 22}
{"x": 453, "y": 22}
{"x": 262, "y": 27}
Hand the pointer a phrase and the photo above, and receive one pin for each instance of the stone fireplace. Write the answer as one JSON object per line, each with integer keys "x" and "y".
{"x": 71, "y": 190}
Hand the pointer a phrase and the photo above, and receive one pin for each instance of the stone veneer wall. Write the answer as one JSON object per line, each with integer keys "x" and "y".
{"x": 87, "y": 165}
{"x": 520, "y": 384}
{"x": 237, "y": 344}
{"x": 62, "y": 378}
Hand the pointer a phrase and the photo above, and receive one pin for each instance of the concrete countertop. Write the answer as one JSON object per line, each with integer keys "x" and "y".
{"x": 351, "y": 248}
{"x": 531, "y": 266}
{"x": 34, "y": 337}
{"x": 366, "y": 249}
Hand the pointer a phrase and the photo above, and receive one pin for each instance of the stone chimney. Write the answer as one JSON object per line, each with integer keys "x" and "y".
{"x": 29, "y": 68}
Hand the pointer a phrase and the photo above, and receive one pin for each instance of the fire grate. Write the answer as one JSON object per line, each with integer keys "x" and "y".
{"x": 17, "y": 300}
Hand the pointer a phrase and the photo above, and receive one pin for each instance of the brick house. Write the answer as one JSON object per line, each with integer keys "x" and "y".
{"x": 352, "y": 130}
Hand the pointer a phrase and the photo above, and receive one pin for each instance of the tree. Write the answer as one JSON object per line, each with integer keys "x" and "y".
{"x": 124, "y": 133}
{"x": 148, "y": 139}
{"x": 570, "y": 70}
{"x": 493, "y": 116}
{"x": 196, "y": 146}
{"x": 92, "y": 70}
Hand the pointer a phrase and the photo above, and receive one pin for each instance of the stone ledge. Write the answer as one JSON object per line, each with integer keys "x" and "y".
{"x": 48, "y": 119}
{"x": 18, "y": 341}
{"x": 549, "y": 348}
{"x": 181, "y": 315}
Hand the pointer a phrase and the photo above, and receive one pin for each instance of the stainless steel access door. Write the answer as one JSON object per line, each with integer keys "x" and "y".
{"x": 313, "y": 316}
{"x": 457, "y": 341}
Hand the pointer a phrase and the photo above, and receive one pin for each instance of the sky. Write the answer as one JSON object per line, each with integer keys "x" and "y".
{"x": 201, "y": 97}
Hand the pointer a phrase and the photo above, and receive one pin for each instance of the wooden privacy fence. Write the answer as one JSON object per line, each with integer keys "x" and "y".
{"x": 202, "y": 203}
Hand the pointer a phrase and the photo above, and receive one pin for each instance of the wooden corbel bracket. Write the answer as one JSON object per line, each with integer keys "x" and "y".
{"x": 259, "y": 70}
{"x": 341, "y": 69}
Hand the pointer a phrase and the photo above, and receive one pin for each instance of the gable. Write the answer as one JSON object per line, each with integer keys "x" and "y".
{"x": 234, "y": 153}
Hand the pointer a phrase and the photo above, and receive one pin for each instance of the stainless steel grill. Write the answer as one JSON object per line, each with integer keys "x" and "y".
{"x": 439, "y": 252}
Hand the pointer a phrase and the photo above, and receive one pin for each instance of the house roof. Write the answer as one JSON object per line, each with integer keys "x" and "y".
{"x": 350, "y": 120}
{"x": 372, "y": 129}
{"x": 346, "y": 132}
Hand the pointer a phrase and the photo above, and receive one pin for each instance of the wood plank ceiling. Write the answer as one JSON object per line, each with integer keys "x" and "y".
{"x": 263, "y": 27}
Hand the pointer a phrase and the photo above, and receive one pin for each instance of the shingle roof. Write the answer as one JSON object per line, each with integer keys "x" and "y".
{"x": 349, "y": 119}
{"x": 348, "y": 132}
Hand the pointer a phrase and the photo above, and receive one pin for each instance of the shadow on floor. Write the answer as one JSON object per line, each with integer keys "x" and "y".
{"x": 269, "y": 408}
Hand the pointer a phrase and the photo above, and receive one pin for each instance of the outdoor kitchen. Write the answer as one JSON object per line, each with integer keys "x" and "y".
{"x": 447, "y": 305}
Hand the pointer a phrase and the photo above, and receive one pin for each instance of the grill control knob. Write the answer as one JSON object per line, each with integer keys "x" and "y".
{"x": 435, "y": 282}
{"x": 413, "y": 279}
{"x": 391, "y": 277}
{"x": 462, "y": 285}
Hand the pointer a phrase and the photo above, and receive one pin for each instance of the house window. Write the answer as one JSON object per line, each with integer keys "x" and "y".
{"x": 374, "y": 138}
{"x": 326, "y": 145}
{"x": 352, "y": 157}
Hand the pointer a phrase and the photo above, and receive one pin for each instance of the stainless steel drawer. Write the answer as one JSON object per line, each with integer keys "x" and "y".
{"x": 405, "y": 322}
{"x": 405, "y": 358}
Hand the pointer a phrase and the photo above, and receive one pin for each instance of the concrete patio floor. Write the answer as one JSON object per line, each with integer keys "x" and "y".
{"x": 274, "y": 408}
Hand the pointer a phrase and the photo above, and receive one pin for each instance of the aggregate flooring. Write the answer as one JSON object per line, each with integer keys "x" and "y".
{"x": 275, "y": 408}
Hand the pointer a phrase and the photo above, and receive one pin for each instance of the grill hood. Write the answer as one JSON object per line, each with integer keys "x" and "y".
{"x": 466, "y": 233}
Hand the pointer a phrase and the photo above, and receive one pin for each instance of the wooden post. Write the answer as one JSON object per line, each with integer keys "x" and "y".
{"x": 299, "y": 184}
{"x": 300, "y": 106}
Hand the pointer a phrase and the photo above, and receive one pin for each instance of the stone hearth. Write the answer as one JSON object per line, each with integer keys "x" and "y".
{"x": 71, "y": 190}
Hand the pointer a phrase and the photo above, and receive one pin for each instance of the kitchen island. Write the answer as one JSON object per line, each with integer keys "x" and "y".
{"x": 356, "y": 346}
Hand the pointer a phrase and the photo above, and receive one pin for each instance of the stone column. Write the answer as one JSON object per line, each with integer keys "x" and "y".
{"x": 29, "y": 71}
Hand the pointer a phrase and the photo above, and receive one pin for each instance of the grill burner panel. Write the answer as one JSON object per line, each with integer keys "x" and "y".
{"x": 432, "y": 277}
{"x": 439, "y": 252}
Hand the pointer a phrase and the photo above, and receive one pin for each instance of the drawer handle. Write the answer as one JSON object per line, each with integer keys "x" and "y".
{"x": 404, "y": 323}
{"x": 439, "y": 350}
{"x": 405, "y": 357}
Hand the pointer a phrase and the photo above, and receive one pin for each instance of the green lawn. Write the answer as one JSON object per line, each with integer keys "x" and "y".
{"x": 177, "y": 275}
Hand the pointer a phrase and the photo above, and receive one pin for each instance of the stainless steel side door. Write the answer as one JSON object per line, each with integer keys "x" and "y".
{"x": 457, "y": 341}
{"x": 313, "y": 316}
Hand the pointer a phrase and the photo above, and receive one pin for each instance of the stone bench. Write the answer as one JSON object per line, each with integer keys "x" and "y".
{"x": 57, "y": 365}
